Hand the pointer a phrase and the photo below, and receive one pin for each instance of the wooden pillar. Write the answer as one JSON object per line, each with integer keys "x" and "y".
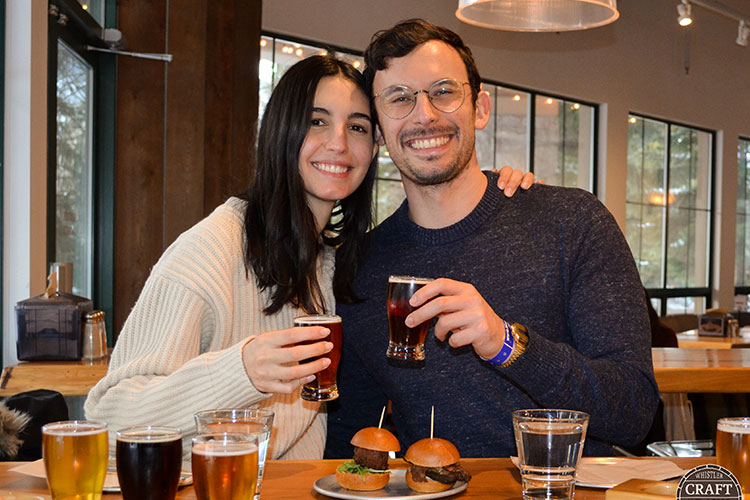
{"x": 185, "y": 129}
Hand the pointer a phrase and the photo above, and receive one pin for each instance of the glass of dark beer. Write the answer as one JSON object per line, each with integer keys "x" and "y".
{"x": 149, "y": 462}
{"x": 405, "y": 343}
{"x": 324, "y": 387}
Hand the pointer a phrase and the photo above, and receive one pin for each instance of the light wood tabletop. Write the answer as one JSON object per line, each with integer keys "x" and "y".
{"x": 692, "y": 340}
{"x": 495, "y": 478}
{"x": 702, "y": 370}
{"x": 69, "y": 378}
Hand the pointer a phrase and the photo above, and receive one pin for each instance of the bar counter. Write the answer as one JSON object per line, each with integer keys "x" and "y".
{"x": 495, "y": 478}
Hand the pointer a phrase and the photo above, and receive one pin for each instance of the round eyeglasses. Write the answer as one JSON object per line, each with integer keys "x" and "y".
{"x": 397, "y": 101}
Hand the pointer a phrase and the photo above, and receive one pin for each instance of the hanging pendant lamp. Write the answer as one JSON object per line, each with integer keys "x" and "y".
{"x": 537, "y": 15}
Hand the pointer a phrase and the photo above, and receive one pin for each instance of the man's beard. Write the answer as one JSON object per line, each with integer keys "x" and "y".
{"x": 436, "y": 175}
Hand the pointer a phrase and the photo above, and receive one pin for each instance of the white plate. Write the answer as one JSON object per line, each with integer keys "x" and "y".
{"x": 396, "y": 489}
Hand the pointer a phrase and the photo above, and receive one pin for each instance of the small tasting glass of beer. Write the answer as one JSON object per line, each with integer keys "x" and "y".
{"x": 253, "y": 421}
{"x": 149, "y": 462}
{"x": 75, "y": 456}
{"x": 324, "y": 387}
{"x": 405, "y": 343}
{"x": 225, "y": 466}
{"x": 733, "y": 448}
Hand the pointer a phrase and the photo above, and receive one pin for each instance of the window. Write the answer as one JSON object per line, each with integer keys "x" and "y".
{"x": 742, "y": 250}
{"x": 550, "y": 136}
{"x": 81, "y": 97}
{"x": 668, "y": 211}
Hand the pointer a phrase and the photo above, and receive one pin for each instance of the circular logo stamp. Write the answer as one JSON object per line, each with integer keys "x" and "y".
{"x": 709, "y": 482}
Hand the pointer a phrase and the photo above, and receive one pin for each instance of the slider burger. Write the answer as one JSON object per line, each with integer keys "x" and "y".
{"x": 433, "y": 466}
{"x": 369, "y": 469}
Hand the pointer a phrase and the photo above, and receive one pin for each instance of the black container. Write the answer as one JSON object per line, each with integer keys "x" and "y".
{"x": 51, "y": 328}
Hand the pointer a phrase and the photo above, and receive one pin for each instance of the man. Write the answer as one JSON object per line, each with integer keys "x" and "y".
{"x": 539, "y": 302}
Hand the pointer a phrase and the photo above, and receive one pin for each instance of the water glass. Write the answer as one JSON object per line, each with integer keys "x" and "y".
{"x": 248, "y": 421}
{"x": 549, "y": 443}
{"x": 75, "y": 454}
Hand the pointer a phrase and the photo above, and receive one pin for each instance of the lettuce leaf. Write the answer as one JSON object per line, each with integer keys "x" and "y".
{"x": 352, "y": 467}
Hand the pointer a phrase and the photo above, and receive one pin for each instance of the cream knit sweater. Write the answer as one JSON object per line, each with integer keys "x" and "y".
{"x": 180, "y": 350}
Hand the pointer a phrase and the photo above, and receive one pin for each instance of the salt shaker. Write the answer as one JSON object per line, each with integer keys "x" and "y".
{"x": 94, "y": 336}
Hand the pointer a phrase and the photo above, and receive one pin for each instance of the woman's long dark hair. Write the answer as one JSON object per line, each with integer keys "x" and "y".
{"x": 282, "y": 241}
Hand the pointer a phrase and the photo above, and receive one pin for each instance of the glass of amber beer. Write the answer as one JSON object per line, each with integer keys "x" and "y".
{"x": 405, "y": 343}
{"x": 75, "y": 456}
{"x": 733, "y": 448}
{"x": 255, "y": 421}
{"x": 149, "y": 462}
{"x": 225, "y": 466}
{"x": 324, "y": 387}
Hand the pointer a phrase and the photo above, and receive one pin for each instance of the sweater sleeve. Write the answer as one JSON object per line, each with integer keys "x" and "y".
{"x": 158, "y": 374}
{"x": 610, "y": 347}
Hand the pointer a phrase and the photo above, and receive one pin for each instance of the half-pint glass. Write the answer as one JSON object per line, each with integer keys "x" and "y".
{"x": 405, "y": 343}
{"x": 251, "y": 421}
{"x": 549, "y": 443}
{"x": 75, "y": 456}
{"x": 225, "y": 466}
{"x": 324, "y": 387}
{"x": 149, "y": 462}
{"x": 733, "y": 448}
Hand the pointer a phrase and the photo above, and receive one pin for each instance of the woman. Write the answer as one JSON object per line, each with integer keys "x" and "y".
{"x": 211, "y": 326}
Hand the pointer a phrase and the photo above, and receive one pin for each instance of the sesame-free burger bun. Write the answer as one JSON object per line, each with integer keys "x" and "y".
{"x": 432, "y": 452}
{"x": 375, "y": 438}
{"x": 362, "y": 482}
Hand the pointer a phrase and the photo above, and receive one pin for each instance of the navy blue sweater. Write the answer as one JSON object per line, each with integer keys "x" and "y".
{"x": 550, "y": 258}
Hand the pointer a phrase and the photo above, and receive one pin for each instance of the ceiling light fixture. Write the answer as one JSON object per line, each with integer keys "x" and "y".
{"x": 743, "y": 34}
{"x": 537, "y": 15}
{"x": 683, "y": 13}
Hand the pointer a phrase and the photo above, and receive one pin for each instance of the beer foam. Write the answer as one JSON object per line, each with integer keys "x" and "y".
{"x": 738, "y": 426}
{"x": 148, "y": 437}
{"x": 224, "y": 449}
{"x": 71, "y": 429}
{"x": 317, "y": 320}
{"x": 409, "y": 279}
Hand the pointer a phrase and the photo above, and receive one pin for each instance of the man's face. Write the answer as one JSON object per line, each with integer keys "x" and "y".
{"x": 429, "y": 146}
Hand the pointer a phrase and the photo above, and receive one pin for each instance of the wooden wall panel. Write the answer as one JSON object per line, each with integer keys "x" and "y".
{"x": 177, "y": 164}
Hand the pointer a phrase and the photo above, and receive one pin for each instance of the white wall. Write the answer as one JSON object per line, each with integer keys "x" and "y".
{"x": 637, "y": 64}
{"x": 25, "y": 174}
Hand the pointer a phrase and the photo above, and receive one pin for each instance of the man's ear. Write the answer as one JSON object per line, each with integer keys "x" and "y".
{"x": 379, "y": 139}
{"x": 482, "y": 110}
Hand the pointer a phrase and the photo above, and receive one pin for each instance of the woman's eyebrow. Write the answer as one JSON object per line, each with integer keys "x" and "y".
{"x": 363, "y": 116}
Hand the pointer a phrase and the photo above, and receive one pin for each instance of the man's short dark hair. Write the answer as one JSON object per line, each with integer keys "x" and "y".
{"x": 404, "y": 37}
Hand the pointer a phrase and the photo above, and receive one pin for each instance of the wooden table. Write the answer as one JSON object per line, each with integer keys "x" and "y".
{"x": 495, "y": 478}
{"x": 691, "y": 339}
{"x": 69, "y": 378}
{"x": 702, "y": 370}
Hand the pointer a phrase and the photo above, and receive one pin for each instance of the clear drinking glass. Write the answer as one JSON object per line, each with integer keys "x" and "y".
{"x": 225, "y": 466}
{"x": 75, "y": 454}
{"x": 549, "y": 443}
{"x": 405, "y": 343}
{"x": 248, "y": 421}
{"x": 149, "y": 462}
{"x": 733, "y": 448}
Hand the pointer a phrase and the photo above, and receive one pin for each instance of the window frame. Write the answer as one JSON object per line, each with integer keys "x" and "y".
{"x": 662, "y": 294}
{"x": 742, "y": 289}
{"x": 2, "y": 159}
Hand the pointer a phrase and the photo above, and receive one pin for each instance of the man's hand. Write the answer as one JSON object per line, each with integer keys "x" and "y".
{"x": 460, "y": 310}
{"x": 272, "y": 358}
{"x": 510, "y": 179}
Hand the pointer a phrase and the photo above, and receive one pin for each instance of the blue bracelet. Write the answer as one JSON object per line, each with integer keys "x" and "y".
{"x": 509, "y": 344}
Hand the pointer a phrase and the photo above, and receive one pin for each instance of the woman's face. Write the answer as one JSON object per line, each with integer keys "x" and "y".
{"x": 339, "y": 146}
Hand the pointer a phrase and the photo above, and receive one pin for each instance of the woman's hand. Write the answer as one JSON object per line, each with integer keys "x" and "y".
{"x": 273, "y": 359}
{"x": 510, "y": 179}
